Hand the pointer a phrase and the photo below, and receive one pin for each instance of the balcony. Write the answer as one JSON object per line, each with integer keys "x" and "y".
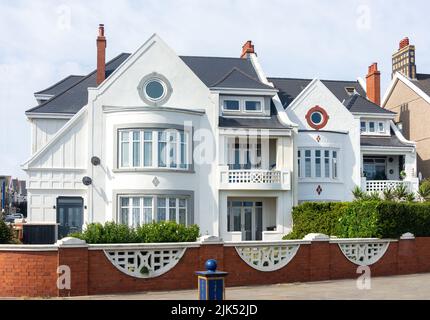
{"x": 254, "y": 179}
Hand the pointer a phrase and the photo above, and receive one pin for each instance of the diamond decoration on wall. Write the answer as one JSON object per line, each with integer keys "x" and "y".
{"x": 319, "y": 190}
{"x": 318, "y": 139}
{"x": 155, "y": 182}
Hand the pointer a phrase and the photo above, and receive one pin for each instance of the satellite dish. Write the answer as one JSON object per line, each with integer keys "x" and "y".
{"x": 95, "y": 161}
{"x": 87, "y": 181}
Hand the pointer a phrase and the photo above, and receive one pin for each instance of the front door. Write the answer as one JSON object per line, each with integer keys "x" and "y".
{"x": 70, "y": 215}
{"x": 246, "y": 217}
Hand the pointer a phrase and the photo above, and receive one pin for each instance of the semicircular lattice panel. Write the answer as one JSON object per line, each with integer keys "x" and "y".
{"x": 145, "y": 263}
{"x": 364, "y": 254}
{"x": 267, "y": 258}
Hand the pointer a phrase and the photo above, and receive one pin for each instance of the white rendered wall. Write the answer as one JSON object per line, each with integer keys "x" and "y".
{"x": 42, "y": 130}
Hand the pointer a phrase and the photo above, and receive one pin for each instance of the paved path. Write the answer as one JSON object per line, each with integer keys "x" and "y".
{"x": 398, "y": 287}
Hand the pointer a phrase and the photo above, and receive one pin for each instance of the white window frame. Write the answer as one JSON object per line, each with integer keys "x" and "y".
{"x": 242, "y": 104}
{"x": 377, "y": 131}
{"x": 333, "y": 164}
{"x": 154, "y": 207}
{"x": 155, "y": 149}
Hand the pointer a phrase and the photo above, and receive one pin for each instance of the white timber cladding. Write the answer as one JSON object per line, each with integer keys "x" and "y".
{"x": 43, "y": 130}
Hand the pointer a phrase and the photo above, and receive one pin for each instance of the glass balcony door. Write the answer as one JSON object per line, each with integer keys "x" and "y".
{"x": 246, "y": 217}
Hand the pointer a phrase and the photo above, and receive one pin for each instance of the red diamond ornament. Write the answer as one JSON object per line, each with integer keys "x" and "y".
{"x": 319, "y": 190}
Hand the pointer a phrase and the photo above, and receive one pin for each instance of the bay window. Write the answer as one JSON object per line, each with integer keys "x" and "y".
{"x": 318, "y": 163}
{"x": 135, "y": 211}
{"x": 153, "y": 148}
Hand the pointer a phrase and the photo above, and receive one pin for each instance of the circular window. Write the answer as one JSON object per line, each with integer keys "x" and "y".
{"x": 317, "y": 118}
{"x": 154, "y": 89}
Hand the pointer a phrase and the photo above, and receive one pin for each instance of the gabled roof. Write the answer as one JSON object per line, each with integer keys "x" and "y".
{"x": 60, "y": 86}
{"x": 238, "y": 79}
{"x": 212, "y": 70}
{"x": 358, "y": 104}
{"x": 72, "y": 99}
{"x": 290, "y": 88}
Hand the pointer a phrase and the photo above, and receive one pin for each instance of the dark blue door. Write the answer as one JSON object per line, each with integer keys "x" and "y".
{"x": 70, "y": 215}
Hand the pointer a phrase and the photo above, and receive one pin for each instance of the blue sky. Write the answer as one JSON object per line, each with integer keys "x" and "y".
{"x": 46, "y": 40}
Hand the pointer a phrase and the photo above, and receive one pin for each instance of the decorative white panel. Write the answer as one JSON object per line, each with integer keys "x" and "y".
{"x": 59, "y": 179}
{"x": 146, "y": 263}
{"x": 268, "y": 258}
{"x": 364, "y": 254}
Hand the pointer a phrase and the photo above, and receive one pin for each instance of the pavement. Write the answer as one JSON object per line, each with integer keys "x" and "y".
{"x": 406, "y": 287}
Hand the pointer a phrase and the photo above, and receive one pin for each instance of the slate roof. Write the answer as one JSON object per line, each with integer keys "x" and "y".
{"x": 60, "y": 86}
{"x": 74, "y": 98}
{"x": 290, "y": 88}
{"x": 238, "y": 79}
{"x": 391, "y": 141}
{"x": 271, "y": 122}
{"x": 71, "y": 93}
{"x": 422, "y": 82}
{"x": 211, "y": 70}
{"x": 357, "y": 103}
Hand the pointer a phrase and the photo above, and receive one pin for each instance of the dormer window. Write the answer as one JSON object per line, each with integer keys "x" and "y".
{"x": 373, "y": 127}
{"x": 242, "y": 105}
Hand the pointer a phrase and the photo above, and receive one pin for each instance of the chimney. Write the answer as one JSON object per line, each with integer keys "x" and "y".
{"x": 101, "y": 55}
{"x": 373, "y": 84}
{"x": 404, "y": 43}
{"x": 247, "y": 48}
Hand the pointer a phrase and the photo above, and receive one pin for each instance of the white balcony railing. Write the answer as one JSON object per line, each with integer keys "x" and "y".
{"x": 381, "y": 185}
{"x": 255, "y": 179}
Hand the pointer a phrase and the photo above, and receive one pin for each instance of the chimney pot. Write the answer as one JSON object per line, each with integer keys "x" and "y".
{"x": 373, "y": 84}
{"x": 404, "y": 43}
{"x": 101, "y": 55}
{"x": 247, "y": 48}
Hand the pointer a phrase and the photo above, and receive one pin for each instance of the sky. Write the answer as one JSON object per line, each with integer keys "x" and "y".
{"x": 43, "y": 41}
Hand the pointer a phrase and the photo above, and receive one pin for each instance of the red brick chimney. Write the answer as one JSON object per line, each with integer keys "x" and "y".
{"x": 247, "y": 48}
{"x": 373, "y": 84}
{"x": 101, "y": 55}
{"x": 404, "y": 43}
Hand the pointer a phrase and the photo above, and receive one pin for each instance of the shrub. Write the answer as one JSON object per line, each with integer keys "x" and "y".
{"x": 424, "y": 190}
{"x": 362, "y": 219}
{"x": 97, "y": 233}
{"x": 316, "y": 217}
{"x": 6, "y": 234}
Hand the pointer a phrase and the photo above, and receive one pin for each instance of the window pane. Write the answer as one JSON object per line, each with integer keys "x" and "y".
{"x": 253, "y": 106}
{"x": 334, "y": 165}
{"x": 183, "y": 151}
{"x": 231, "y": 105}
{"x": 147, "y": 210}
{"x": 124, "y": 202}
{"x": 183, "y": 216}
{"x": 147, "y": 149}
{"x": 161, "y": 209}
{"x": 125, "y": 161}
{"x": 124, "y": 216}
{"x": 162, "y": 152}
{"x": 372, "y": 126}
{"x": 308, "y": 165}
{"x": 381, "y": 127}
{"x": 172, "y": 149}
{"x": 318, "y": 163}
{"x": 363, "y": 126}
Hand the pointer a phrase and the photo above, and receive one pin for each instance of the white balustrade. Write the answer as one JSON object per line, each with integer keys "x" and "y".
{"x": 381, "y": 185}
{"x": 363, "y": 252}
{"x": 255, "y": 179}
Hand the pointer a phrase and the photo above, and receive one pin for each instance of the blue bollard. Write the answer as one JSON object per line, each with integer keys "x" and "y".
{"x": 211, "y": 282}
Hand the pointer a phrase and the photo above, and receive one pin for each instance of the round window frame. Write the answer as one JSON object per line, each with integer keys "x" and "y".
{"x": 324, "y": 120}
{"x": 164, "y": 83}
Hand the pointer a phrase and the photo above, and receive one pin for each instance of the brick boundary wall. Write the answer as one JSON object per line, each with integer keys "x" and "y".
{"x": 32, "y": 272}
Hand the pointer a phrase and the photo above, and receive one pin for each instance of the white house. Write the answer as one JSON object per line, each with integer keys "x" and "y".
{"x": 208, "y": 140}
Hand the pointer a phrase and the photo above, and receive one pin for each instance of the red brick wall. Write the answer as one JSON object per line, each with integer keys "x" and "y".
{"x": 35, "y": 273}
{"x": 28, "y": 274}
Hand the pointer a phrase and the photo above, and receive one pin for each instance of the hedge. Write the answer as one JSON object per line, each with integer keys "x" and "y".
{"x": 361, "y": 219}
{"x": 110, "y": 232}
{"x": 6, "y": 234}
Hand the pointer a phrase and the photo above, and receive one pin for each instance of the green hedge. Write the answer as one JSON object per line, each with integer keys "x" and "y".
{"x": 97, "y": 233}
{"x": 6, "y": 234}
{"x": 361, "y": 219}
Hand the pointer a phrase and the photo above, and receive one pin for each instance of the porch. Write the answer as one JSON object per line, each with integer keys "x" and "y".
{"x": 388, "y": 171}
